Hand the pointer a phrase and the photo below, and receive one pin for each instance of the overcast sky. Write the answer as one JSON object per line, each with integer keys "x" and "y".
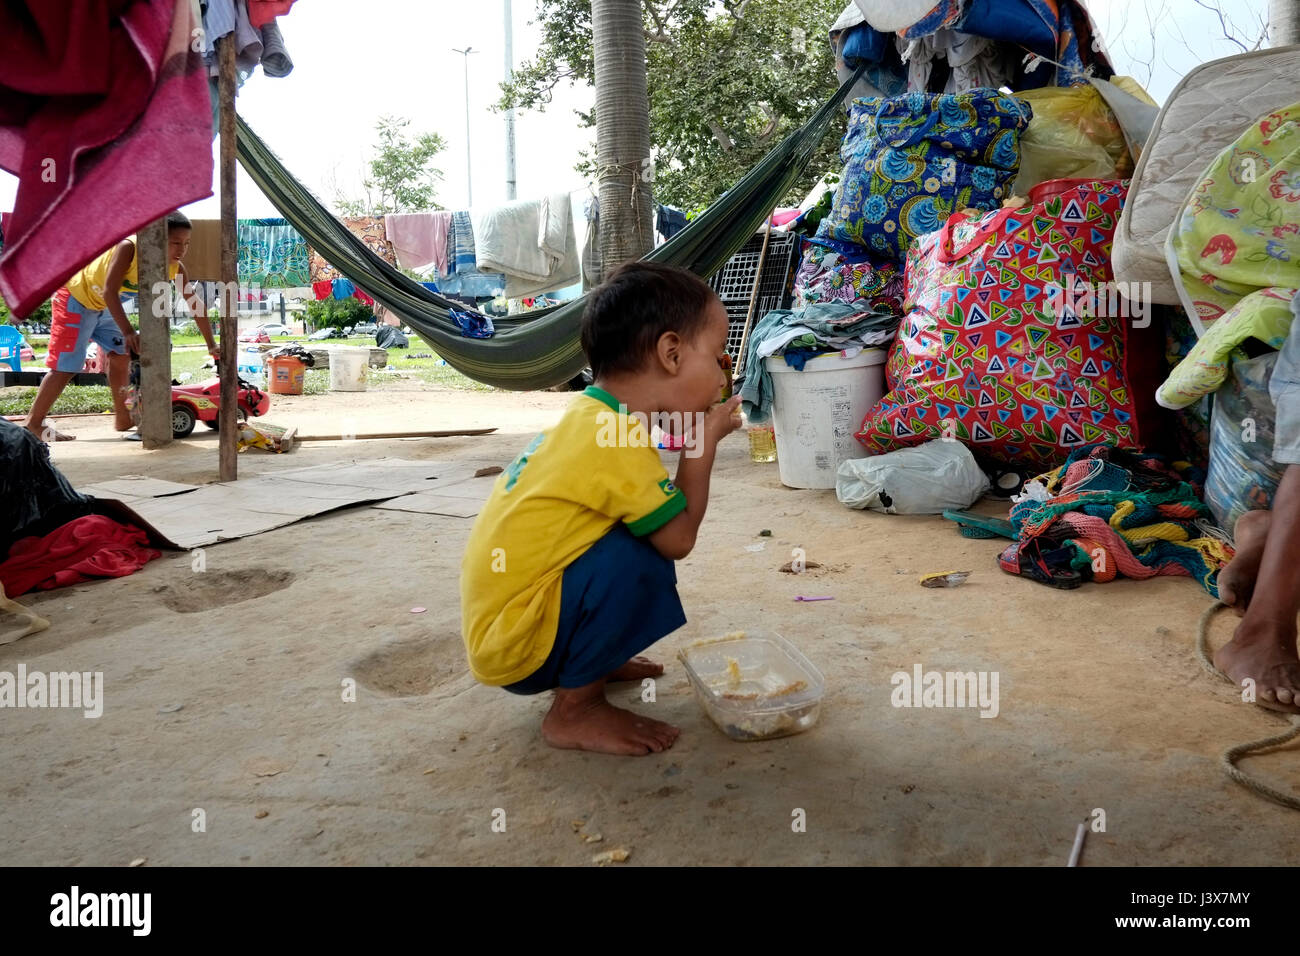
{"x": 356, "y": 61}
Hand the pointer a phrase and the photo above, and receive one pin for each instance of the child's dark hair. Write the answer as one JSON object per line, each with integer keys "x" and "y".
{"x": 178, "y": 220}
{"x": 640, "y": 301}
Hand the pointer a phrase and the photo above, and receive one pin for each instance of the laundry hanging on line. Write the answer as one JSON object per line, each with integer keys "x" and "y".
{"x": 669, "y": 221}
{"x": 463, "y": 276}
{"x": 419, "y": 238}
{"x": 532, "y": 242}
{"x": 272, "y": 254}
{"x": 370, "y": 230}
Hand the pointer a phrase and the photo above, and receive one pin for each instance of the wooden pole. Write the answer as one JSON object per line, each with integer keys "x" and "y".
{"x": 155, "y": 302}
{"x": 228, "y": 446}
{"x": 753, "y": 294}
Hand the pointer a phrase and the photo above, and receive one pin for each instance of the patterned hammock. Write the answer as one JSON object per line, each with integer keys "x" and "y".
{"x": 1115, "y": 514}
{"x": 541, "y": 348}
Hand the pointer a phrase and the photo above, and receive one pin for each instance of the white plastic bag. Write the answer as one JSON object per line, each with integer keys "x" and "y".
{"x": 927, "y": 479}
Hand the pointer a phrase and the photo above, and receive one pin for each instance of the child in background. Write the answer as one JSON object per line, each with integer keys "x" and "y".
{"x": 568, "y": 573}
{"x": 89, "y": 309}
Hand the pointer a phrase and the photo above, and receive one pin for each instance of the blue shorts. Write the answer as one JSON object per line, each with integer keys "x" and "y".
{"x": 73, "y": 326}
{"x": 615, "y": 601}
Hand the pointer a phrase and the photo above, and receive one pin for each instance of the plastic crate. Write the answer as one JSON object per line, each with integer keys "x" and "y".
{"x": 734, "y": 283}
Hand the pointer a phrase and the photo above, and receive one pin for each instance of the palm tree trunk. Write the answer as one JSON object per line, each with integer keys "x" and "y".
{"x": 1284, "y": 22}
{"x": 622, "y": 132}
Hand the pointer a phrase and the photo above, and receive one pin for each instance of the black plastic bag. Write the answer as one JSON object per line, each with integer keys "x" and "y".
{"x": 391, "y": 337}
{"x": 35, "y": 498}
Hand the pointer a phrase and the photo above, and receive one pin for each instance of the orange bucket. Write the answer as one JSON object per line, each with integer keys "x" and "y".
{"x": 285, "y": 375}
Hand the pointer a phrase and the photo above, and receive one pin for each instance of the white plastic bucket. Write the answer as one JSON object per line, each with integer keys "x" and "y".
{"x": 348, "y": 369}
{"x": 817, "y": 411}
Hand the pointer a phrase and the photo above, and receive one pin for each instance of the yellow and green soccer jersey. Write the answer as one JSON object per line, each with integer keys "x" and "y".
{"x": 87, "y": 285}
{"x": 568, "y": 488}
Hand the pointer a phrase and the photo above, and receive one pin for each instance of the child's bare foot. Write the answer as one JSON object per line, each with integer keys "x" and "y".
{"x": 638, "y": 668}
{"x": 582, "y": 719}
{"x": 1267, "y": 655}
{"x": 1237, "y": 579}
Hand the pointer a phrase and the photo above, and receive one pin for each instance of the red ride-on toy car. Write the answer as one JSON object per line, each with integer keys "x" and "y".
{"x": 202, "y": 403}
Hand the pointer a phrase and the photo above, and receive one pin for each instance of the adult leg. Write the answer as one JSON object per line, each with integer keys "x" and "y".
{"x": 71, "y": 331}
{"x": 119, "y": 372}
{"x": 1237, "y": 579}
{"x": 52, "y": 386}
{"x": 1264, "y": 645}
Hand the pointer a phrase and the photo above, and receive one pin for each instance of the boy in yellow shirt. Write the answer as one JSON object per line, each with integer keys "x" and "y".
{"x": 568, "y": 573}
{"x": 89, "y": 309}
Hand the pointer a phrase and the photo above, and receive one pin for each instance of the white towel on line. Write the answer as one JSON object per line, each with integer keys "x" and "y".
{"x": 533, "y": 242}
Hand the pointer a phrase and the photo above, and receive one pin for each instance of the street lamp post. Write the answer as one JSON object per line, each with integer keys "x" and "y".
{"x": 469, "y": 168}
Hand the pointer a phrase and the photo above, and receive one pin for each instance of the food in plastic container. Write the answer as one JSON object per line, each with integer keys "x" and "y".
{"x": 755, "y": 688}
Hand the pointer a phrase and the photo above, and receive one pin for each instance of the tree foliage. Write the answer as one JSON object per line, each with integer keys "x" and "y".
{"x": 402, "y": 175}
{"x": 337, "y": 313}
{"x": 726, "y": 80}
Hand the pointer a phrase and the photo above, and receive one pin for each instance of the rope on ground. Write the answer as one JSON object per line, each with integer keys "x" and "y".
{"x": 1233, "y": 754}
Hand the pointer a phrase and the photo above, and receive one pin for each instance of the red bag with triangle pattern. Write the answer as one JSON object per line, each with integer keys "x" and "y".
{"x": 1015, "y": 337}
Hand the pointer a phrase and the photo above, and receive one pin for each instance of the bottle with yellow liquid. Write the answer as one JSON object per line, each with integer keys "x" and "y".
{"x": 762, "y": 443}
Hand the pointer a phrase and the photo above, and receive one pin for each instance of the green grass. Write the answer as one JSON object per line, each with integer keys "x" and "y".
{"x": 429, "y": 372}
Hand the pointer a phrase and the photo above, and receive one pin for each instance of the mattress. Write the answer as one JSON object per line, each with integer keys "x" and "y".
{"x": 1207, "y": 111}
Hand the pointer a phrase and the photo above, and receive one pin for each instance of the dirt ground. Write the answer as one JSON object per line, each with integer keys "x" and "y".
{"x": 223, "y": 693}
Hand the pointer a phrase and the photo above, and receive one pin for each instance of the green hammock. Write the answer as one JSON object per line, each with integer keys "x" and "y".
{"x": 537, "y": 349}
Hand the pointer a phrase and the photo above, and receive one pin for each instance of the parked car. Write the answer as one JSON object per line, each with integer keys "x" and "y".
{"x": 321, "y": 334}
{"x": 365, "y": 328}
{"x": 275, "y": 329}
{"x": 257, "y": 334}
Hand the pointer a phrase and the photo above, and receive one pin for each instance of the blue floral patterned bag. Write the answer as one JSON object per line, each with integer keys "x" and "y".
{"x": 911, "y": 161}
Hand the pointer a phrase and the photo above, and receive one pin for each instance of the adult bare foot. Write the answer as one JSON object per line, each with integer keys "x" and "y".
{"x": 638, "y": 668}
{"x": 1266, "y": 654}
{"x": 48, "y": 433}
{"x": 1237, "y": 579}
{"x": 580, "y": 720}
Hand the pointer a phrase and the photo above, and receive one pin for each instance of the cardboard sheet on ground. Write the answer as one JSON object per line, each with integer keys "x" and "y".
{"x": 191, "y": 516}
{"x": 463, "y": 499}
{"x": 133, "y": 487}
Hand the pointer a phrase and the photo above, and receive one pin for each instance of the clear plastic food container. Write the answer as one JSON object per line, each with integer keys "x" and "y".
{"x": 755, "y": 687}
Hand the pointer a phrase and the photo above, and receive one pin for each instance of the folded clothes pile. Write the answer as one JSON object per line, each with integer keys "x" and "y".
{"x": 817, "y": 329}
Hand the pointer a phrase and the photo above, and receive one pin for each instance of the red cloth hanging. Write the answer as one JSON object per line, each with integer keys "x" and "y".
{"x": 262, "y": 12}
{"x": 365, "y": 299}
{"x": 106, "y": 120}
{"x": 323, "y": 289}
{"x": 92, "y": 546}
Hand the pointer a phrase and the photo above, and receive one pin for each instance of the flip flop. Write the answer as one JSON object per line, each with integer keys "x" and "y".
{"x": 974, "y": 525}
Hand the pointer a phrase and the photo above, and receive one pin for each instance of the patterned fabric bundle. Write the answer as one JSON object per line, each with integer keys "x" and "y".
{"x": 826, "y": 275}
{"x": 1113, "y": 513}
{"x": 1264, "y": 316}
{"x": 1238, "y": 232}
{"x": 1011, "y": 342}
{"x": 913, "y": 160}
